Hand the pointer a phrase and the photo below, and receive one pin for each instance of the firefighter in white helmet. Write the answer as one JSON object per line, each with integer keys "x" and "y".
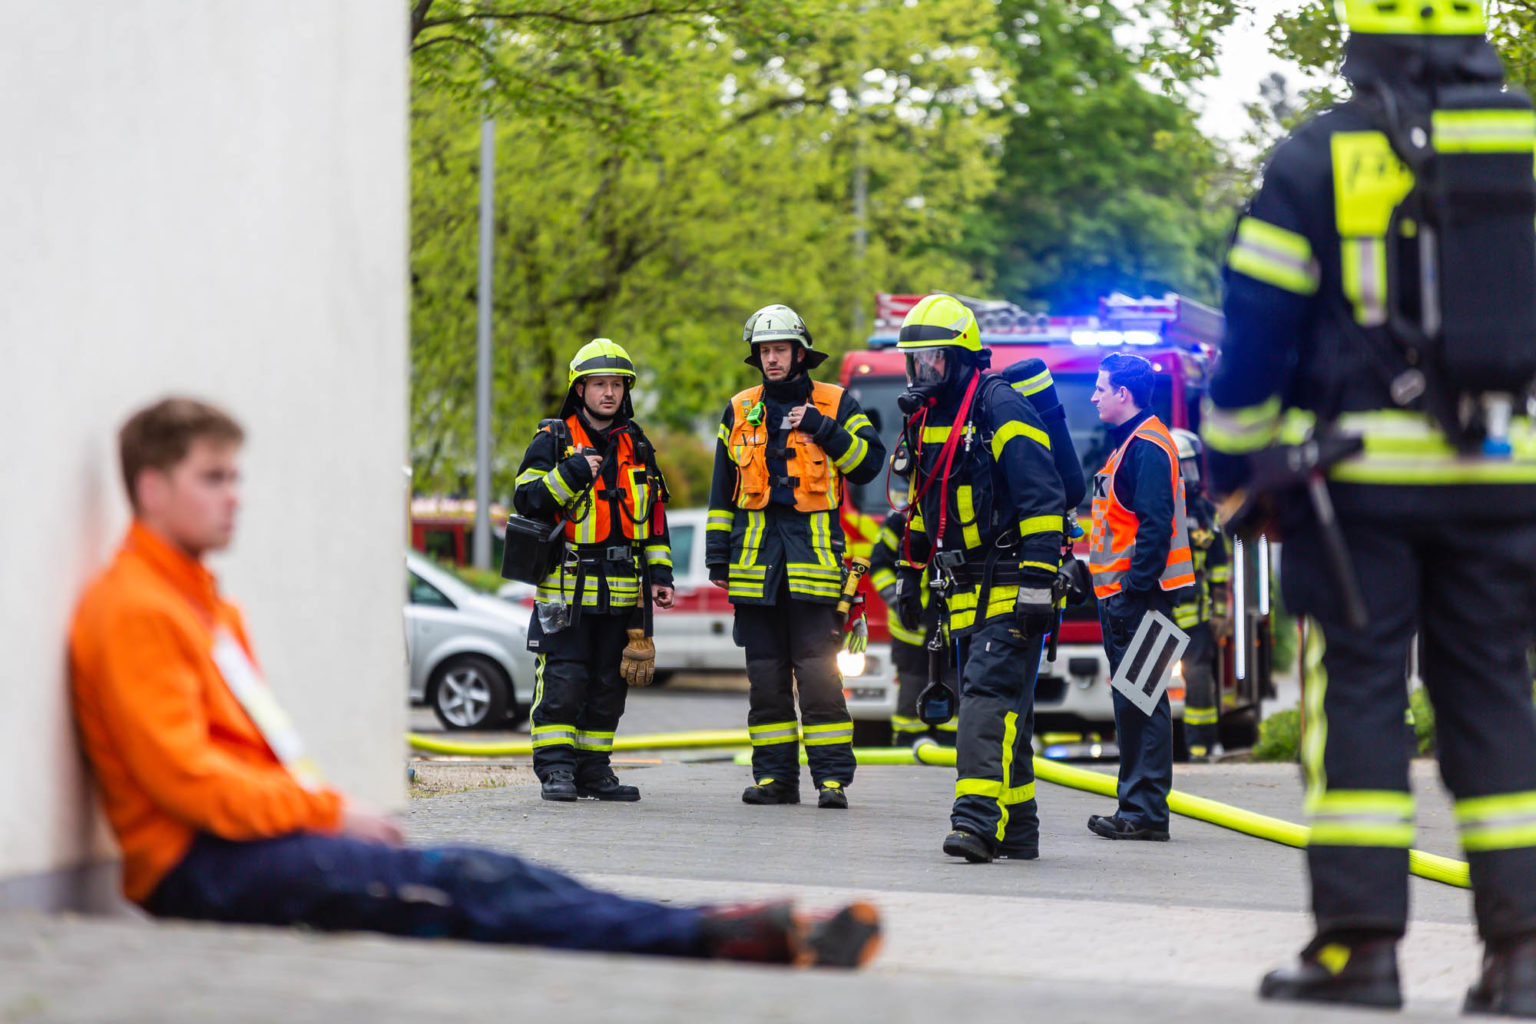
{"x": 774, "y": 542}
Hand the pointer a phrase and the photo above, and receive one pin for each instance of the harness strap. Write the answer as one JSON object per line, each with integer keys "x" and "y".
{"x": 947, "y": 458}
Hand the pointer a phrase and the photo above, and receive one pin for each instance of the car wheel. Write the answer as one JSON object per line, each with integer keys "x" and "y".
{"x": 469, "y": 692}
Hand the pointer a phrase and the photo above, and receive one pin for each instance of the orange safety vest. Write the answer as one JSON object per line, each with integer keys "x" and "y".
{"x": 815, "y": 481}
{"x": 591, "y": 519}
{"x": 1112, "y": 544}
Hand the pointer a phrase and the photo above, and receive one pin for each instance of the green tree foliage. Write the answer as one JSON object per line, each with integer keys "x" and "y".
{"x": 664, "y": 167}
{"x": 1107, "y": 181}
{"x": 721, "y": 181}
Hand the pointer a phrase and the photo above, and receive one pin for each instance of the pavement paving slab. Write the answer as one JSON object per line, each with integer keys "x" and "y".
{"x": 1093, "y": 931}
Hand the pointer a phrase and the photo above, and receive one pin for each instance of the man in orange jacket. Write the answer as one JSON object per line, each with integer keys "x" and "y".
{"x": 220, "y": 814}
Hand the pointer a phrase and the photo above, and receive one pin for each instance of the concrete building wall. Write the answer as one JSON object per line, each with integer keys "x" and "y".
{"x": 210, "y": 199}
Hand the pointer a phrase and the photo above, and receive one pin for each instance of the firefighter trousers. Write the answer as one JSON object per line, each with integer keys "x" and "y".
{"x": 994, "y": 761}
{"x": 1145, "y": 741}
{"x": 579, "y": 696}
{"x": 911, "y": 661}
{"x": 792, "y": 645}
{"x": 1470, "y": 594}
{"x": 1202, "y": 713}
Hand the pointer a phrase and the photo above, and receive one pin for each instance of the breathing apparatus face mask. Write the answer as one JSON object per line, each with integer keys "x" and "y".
{"x": 927, "y": 371}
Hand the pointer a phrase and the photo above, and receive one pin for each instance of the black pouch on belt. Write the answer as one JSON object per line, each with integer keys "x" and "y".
{"x": 532, "y": 549}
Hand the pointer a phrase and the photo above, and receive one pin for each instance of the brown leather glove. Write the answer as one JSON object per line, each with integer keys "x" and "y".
{"x": 639, "y": 665}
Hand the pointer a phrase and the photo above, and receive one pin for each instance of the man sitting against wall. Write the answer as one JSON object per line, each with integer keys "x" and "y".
{"x": 220, "y": 814}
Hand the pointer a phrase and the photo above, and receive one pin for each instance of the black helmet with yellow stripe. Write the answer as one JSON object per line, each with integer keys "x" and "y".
{"x": 598, "y": 358}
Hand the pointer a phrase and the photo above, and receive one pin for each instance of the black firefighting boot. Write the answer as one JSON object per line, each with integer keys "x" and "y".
{"x": 560, "y": 785}
{"x": 832, "y": 794}
{"x": 1362, "y": 971}
{"x": 771, "y": 791}
{"x": 972, "y": 847}
{"x": 608, "y": 788}
{"x": 1508, "y": 984}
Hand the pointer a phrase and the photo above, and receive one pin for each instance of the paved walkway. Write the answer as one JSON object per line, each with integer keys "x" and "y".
{"x": 1092, "y": 931}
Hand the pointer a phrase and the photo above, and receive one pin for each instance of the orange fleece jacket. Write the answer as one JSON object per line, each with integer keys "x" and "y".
{"x": 174, "y": 752}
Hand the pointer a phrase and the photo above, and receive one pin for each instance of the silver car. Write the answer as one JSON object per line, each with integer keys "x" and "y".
{"x": 468, "y": 651}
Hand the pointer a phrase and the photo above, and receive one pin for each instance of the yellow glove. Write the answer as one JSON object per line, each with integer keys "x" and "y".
{"x": 639, "y": 665}
{"x": 856, "y": 640}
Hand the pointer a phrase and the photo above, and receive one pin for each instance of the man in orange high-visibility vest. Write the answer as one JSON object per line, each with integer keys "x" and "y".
{"x": 1139, "y": 555}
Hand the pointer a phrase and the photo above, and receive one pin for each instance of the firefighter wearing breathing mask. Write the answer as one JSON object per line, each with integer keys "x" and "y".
{"x": 985, "y": 525}
{"x": 774, "y": 543}
{"x": 1381, "y": 306}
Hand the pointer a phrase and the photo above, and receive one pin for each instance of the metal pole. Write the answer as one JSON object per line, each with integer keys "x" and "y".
{"x": 482, "y": 545}
{"x": 860, "y": 236}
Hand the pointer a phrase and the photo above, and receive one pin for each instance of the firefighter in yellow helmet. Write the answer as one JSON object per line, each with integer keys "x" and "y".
{"x": 774, "y": 543}
{"x": 1381, "y": 305}
{"x": 592, "y": 470}
{"x": 987, "y": 514}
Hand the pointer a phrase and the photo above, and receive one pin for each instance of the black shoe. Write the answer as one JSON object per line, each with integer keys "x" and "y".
{"x": 1508, "y": 984}
{"x": 972, "y": 847}
{"x": 1116, "y": 827}
{"x": 560, "y": 785}
{"x": 771, "y": 791}
{"x": 832, "y": 794}
{"x": 608, "y": 788}
{"x": 1333, "y": 972}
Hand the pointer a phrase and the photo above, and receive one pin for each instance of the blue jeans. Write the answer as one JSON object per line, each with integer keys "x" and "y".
{"x": 336, "y": 883}
{"x": 1146, "y": 741}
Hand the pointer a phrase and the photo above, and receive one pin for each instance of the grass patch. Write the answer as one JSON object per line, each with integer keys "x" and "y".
{"x": 1279, "y": 737}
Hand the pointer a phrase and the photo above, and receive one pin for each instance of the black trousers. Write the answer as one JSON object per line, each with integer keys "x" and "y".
{"x": 911, "y": 662}
{"x": 580, "y": 695}
{"x": 1469, "y": 591}
{"x": 794, "y": 644}
{"x": 994, "y": 761}
{"x": 1145, "y": 741}
{"x": 1201, "y": 710}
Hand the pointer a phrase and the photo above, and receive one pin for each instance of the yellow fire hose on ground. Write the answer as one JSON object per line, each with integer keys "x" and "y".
{"x": 649, "y": 741}
{"x": 1426, "y": 865}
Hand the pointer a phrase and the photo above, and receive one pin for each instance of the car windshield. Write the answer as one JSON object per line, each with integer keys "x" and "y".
{"x": 419, "y": 591}
{"x": 877, "y": 397}
{"x": 682, "y": 548}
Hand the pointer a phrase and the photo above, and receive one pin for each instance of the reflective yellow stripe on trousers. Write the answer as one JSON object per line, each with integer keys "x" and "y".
{"x": 1005, "y": 795}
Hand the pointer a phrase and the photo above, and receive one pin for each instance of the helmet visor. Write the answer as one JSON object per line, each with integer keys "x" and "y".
{"x": 926, "y": 365}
